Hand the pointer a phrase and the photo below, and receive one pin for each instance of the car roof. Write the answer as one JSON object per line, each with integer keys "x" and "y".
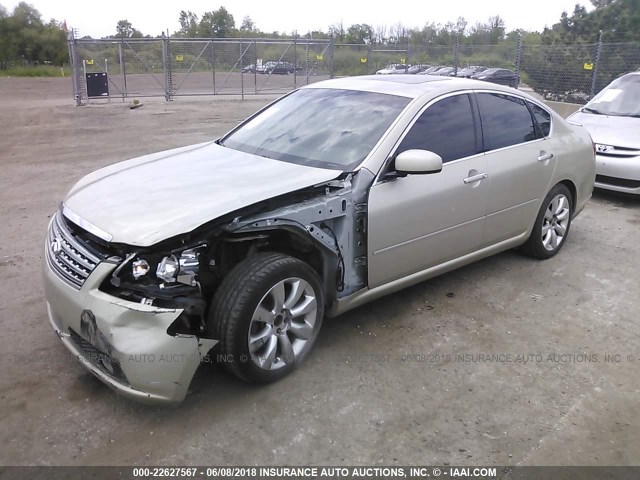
{"x": 411, "y": 86}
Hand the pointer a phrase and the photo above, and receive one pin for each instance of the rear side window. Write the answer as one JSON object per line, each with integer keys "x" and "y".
{"x": 447, "y": 128}
{"x": 506, "y": 120}
{"x": 542, "y": 117}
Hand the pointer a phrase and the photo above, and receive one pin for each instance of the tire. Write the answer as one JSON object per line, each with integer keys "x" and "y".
{"x": 552, "y": 225}
{"x": 266, "y": 315}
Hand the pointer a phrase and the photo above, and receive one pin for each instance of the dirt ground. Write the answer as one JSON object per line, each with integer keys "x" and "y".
{"x": 399, "y": 381}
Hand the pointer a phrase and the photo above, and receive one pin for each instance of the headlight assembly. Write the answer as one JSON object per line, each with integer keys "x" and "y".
{"x": 179, "y": 267}
{"x": 168, "y": 269}
{"x": 139, "y": 268}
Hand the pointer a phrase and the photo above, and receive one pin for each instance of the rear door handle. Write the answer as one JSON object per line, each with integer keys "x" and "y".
{"x": 475, "y": 178}
{"x": 545, "y": 156}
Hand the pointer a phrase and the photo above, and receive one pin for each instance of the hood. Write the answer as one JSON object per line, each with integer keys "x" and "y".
{"x": 148, "y": 199}
{"x": 610, "y": 130}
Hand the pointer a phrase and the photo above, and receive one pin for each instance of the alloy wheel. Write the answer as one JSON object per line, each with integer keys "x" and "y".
{"x": 555, "y": 222}
{"x": 282, "y": 324}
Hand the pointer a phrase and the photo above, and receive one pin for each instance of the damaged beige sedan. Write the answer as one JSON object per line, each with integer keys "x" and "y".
{"x": 332, "y": 196}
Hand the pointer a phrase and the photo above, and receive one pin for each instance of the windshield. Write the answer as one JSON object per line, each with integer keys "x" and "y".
{"x": 319, "y": 127}
{"x": 621, "y": 98}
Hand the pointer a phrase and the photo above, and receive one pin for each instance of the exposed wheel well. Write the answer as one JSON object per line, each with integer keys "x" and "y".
{"x": 277, "y": 240}
{"x": 289, "y": 241}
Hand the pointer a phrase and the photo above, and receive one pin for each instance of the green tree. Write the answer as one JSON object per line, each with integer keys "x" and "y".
{"x": 218, "y": 23}
{"x": 124, "y": 29}
{"x": 25, "y": 37}
{"x": 496, "y": 30}
{"x": 601, "y": 3}
{"x": 188, "y": 24}
{"x": 26, "y": 15}
{"x": 248, "y": 25}
{"x": 360, "y": 33}
{"x": 338, "y": 32}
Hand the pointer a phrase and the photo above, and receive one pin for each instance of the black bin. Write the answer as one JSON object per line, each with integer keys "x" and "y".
{"x": 97, "y": 85}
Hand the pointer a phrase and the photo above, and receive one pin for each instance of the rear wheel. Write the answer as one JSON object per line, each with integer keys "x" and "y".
{"x": 266, "y": 314}
{"x": 552, "y": 224}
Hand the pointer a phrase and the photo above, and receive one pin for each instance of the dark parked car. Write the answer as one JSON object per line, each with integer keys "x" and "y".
{"x": 468, "y": 72}
{"x": 444, "y": 71}
{"x": 501, "y": 76}
{"x": 417, "y": 69}
{"x": 431, "y": 70}
{"x": 249, "y": 69}
{"x": 281, "y": 68}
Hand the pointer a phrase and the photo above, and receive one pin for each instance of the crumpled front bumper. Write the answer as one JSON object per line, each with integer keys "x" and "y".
{"x": 124, "y": 344}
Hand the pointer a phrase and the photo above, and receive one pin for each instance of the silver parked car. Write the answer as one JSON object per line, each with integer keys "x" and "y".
{"x": 613, "y": 120}
{"x": 332, "y": 196}
{"x": 394, "y": 68}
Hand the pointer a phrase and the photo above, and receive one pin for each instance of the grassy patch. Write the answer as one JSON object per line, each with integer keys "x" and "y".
{"x": 36, "y": 71}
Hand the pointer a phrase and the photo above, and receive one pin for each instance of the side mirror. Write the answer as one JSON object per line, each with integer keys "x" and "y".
{"x": 418, "y": 162}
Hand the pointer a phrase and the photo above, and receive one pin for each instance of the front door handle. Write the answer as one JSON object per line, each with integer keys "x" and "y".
{"x": 475, "y": 178}
{"x": 544, "y": 156}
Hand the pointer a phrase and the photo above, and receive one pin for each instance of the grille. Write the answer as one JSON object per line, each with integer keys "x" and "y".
{"x": 102, "y": 360}
{"x": 618, "y": 182}
{"x": 67, "y": 257}
{"x": 620, "y": 152}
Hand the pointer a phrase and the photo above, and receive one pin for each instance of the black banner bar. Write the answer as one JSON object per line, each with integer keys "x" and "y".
{"x": 320, "y": 472}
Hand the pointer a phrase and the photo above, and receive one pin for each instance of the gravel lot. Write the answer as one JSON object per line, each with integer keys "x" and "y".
{"x": 387, "y": 383}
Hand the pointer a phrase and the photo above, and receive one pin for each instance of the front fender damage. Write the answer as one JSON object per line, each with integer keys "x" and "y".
{"x": 334, "y": 221}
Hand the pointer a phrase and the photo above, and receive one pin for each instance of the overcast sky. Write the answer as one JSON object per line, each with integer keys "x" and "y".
{"x": 99, "y": 18}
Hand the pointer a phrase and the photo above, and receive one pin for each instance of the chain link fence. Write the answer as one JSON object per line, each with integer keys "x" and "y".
{"x": 171, "y": 67}
{"x": 562, "y": 73}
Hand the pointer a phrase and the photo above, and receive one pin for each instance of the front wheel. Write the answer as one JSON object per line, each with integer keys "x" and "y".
{"x": 266, "y": 314}
{"x": 552, "y": 224}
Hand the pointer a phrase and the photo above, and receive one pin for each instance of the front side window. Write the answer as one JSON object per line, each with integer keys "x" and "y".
{"x": 447, "y": 128}
{"x": 506, "y": 120}
{"x": 319, "y": 127}
{"x": 542, "y": 117}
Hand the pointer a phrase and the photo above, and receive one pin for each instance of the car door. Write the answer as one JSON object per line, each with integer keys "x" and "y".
{"x": 520, "y": 161}
{"x": 422, "y": 220}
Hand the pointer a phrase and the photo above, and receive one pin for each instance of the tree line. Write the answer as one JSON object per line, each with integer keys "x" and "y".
{"x": 25, "y": 36}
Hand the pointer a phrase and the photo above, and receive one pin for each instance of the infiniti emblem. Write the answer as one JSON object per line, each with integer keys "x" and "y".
{"x": 604, "y": 148}
{"x": 56, "y": 245}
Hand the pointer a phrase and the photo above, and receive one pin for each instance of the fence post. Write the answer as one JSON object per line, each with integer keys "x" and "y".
{"x": 75, "y": 71}
{"x": 594, "y": 75}
{"x": 519, "y": 57}
{"x": 166, "y": 61}
{"x": 406, "y": 53}
{"x": 295, "y": 60}
{"x": 456, "y": 55}
{"x": 123, "y": 71}
{"x": 213, "y": 64}
{"x": 331, "y": 48}
{"x": 306, "y": 67}
{"x": 241, "y": 60}
{"x": 255, "y": 66}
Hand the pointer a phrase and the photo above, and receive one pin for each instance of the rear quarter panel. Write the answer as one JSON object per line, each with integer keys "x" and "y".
{"x": 576, "y": 160}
